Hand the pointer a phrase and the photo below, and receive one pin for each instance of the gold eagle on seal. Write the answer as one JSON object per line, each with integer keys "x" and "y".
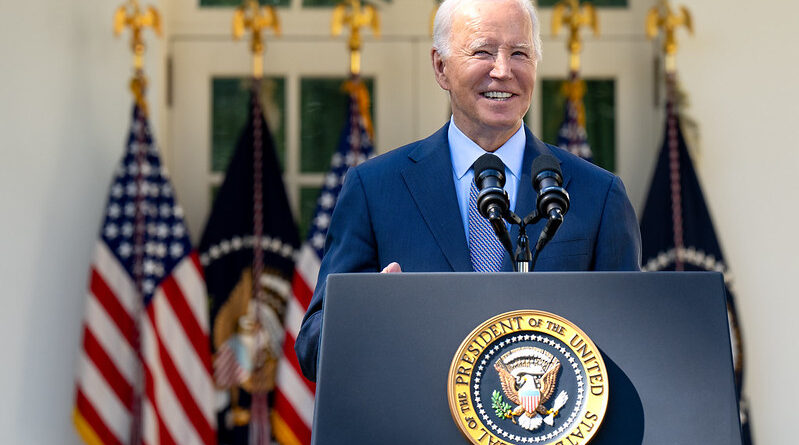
{"x": 528, "y": 376}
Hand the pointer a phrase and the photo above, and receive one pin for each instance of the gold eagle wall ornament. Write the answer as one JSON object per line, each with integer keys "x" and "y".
{"x": 664, "y": 17}
{"x": 256, "y": 18}
{"x": 570, "y": 13}
{"x": 130, "y": 15}
{"x": 356, "y": 15}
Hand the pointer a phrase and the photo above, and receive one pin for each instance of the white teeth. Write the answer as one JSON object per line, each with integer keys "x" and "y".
{"x": 497, "y": 95}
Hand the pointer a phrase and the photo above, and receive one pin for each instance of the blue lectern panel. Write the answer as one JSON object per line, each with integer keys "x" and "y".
{"x": 388, "y": 341}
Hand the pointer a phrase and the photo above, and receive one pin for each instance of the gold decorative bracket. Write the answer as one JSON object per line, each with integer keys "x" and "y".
{"x": 251, "y": 16}
{"x": 664, "y": 17}
{"x": 569, "y": 13}
{"x": 131, "y": 15}
{"x": 355, "y": 15}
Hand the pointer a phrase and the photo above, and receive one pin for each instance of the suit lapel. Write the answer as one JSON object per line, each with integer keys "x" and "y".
{"x": 429, "y": 181}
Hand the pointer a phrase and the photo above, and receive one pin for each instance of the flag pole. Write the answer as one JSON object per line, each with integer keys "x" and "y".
{"x": 250, "y": 16}
{"x": 569, "y": 13}
{"x": 131, "y": 15}
{"x": 663, "y": 17}
{"x": 355, "y": 15}
{"x": 256, "y": 19}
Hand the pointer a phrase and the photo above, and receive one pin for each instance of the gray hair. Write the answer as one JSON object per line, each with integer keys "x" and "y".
{"x": 442, "y": 27}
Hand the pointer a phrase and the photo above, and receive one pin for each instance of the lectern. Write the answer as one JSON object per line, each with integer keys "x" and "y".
{"x": 389, "y": 341}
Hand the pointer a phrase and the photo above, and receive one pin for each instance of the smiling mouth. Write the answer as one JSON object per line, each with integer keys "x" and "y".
{"x": 497, "y": 95}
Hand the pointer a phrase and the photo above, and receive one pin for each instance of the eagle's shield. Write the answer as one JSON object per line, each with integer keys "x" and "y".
{"x": 530, "y": 399}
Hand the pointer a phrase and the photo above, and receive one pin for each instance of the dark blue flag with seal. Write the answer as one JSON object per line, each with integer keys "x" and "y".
{"x": 677, "y": 231}
{"x": 247, "y": 250}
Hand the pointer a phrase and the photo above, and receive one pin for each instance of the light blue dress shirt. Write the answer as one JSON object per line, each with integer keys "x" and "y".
{"x": 463, "y": 152}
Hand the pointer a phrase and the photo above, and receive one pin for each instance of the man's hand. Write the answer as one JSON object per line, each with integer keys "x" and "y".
{"x": 392, "y": 268}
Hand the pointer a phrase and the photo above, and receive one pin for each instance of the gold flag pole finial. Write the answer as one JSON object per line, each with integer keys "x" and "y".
{"x": 131, "y": 15}
{"x": 569, "y": 13}
{"x": 355, "y": 15}
{"x": 258, "y": 19}
{"x": 664, "y": 17}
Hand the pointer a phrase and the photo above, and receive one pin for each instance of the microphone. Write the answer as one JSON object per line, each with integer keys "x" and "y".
{"x": 492, "y": 200}
{"x": 553, "y": 199}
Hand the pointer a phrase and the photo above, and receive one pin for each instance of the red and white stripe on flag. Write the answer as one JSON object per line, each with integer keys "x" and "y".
{"x": 172, "y": 360}
{"x": 292, "y": 416}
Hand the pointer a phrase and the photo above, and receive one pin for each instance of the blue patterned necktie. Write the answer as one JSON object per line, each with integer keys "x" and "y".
{"x": 484, "y": 247}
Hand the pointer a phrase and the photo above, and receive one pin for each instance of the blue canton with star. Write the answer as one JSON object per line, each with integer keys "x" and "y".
{"x": 141, "y": 187}
{"x": 355, "y": 146}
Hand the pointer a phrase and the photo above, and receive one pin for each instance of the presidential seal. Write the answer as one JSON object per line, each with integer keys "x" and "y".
{"x": 528, "y": 377}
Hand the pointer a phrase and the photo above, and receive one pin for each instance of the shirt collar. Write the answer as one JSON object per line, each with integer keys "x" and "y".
{"x": 465, "y": 151}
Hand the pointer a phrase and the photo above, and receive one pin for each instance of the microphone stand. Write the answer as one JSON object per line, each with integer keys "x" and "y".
{"x": 524, "y": 258}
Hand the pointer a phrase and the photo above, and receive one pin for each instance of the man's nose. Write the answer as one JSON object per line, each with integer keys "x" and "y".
{"x": 501, "y": 69}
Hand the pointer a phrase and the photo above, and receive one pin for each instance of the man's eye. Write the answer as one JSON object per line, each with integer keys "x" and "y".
{"x": 481, "y": 52}
{"x": 520, "y": 53}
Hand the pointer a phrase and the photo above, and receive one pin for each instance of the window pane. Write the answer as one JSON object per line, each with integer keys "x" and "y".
{"x": 323, "y": 114}
{"x": 316, "y": 3}
{"x": 230, "y": 108}
{"x": 600, "y": 117}
{"x": 234, "y": 3}
{"x": 599, "y": 3}
{"x": 308, "y": 198}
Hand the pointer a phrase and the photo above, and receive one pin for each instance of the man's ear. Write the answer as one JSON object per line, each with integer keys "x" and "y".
{"x": 438, "y": 69}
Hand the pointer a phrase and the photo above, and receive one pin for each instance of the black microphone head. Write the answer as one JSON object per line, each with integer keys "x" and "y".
{"x": 542, "y": 164}
{"x": 548, "y": 183}
{"x": 486, "y": 165}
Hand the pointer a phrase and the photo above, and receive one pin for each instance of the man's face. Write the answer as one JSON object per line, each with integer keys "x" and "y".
{"x": 490, "y": 72}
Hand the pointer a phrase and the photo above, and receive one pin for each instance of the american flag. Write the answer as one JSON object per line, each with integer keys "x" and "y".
{"x": 292, "y": 417}
{"x": 144, "y": 372}
{"x": 571, "y": 135}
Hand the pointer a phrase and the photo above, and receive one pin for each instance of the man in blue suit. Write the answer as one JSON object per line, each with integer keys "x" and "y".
{"x": 408, "y": 209}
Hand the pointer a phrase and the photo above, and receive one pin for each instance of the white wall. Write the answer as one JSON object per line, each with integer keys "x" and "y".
{"x": 741, "y": 70}
{"x": 64, "y": 114}
{"x": 64, "y": 111}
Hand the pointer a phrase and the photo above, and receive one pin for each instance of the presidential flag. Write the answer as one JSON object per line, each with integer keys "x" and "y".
{"x": 572, "y": 135}
{"x": 145, "y": 364}
{"x": 248, "y": 249}
{"x": 677, "y": 231}
{"x": 292, "y": 417}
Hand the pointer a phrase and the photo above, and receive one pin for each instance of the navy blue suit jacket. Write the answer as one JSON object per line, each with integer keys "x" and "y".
{"x": 402, "y": 206}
